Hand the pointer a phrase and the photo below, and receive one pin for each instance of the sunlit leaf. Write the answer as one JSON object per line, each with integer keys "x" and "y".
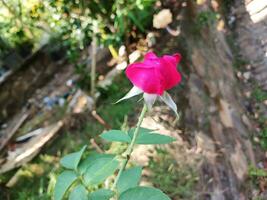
{"x": 120, "y": 24}
{"x": 64, "y": 181}
{"x": 136, "y": 21}
{"x": 141, "y": 130}
{"x": 78, "y": 193}
{"x": 147, "y": 136}
{"x": 116, "y": 136}
{"x": 91, "y": 159}
{"x": 143, "y": 193}
{"x": 100, "y": 169}
{"x": 72, "y": 160}
{"x": 102, "y": 194}
{"x": 129, "y": 178}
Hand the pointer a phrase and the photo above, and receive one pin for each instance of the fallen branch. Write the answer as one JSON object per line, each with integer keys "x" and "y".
{"x": 30, "y": 149}
{"x": 13, "y": 126}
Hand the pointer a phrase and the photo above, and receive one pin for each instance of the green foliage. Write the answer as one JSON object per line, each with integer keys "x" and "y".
{"x": 72, "y": 160}
{"x": 64, "y": 181}
{"x": 255, "y": 172}
{"x": 101, "y": 168}
{"x": 90, "y": 161}
{"x": 102, "y": 194}
{"x": 239, "y": 62}
{"x": 258, "y": 177}
{"x": 206, "y": 18}
{"x": 16, "y": 23}
{"x": 116, "y": 113}
{"x": 263, "y": 138}
{"x": 259, "y": 94}
{"x": 130, "y": 178}
{"x": 91, "y": 171}
{"x": 79, "y": 192}
{"x": 147, "y": 136}
{"x": 178, "y": 181}
{"x": 129, "y": 14}
{"x": 28, "y": 23}
{"x": 141, "y": 193}
{"x": 116, "y": 136}
{"x": 81, "y": 69}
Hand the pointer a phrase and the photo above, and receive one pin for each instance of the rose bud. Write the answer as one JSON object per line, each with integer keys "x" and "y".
{"x": 153, "y": 77}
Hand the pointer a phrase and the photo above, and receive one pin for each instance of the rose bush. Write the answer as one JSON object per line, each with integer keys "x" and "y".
{"x": 107, "y": 176}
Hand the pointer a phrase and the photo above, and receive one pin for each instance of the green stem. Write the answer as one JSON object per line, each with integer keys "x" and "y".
{"x": 129, "y": 150}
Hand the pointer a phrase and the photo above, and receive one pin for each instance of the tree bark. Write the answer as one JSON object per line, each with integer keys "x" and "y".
{"x": 214, "y": 116}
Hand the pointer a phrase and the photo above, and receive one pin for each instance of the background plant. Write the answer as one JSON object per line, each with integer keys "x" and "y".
{"x": 34, "y": 21}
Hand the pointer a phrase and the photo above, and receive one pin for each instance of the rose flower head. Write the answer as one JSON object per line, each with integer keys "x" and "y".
{"x": 153, "y": 77}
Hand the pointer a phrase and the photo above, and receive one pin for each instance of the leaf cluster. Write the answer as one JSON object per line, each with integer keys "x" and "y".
{"x": 84, "y": 178}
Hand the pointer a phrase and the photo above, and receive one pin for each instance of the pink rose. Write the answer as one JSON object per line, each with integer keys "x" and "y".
{"x": 155, "y": 74}
{"x": 153, "y": 77}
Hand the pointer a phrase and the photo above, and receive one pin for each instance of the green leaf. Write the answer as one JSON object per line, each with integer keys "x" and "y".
{"x": 136, "y": 21}
{"x": 72, "y": 160}
{"x": 141, "y": 130}
{"x": 142, "y": 193}
{"x": 78, "y": 193}
{"x": 64, "y": 181}
{"x": 100, "y": 169}
{"x": 129, "y": 178}
{"x": 102, "y": 194}
{"x": 90, "y": 160}
{"x": 116, "y": 136}
{"x": 147, "y": 136}
{"x": 154, "y": 138}
{"x": 119, "y": 22}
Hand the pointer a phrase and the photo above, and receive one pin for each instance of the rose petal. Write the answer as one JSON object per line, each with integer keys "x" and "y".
{"x": 169, "y": 71}
{"x": 144, "y": 78}
{"x": 150, "y": 55}
{"x": 178, "y": 57}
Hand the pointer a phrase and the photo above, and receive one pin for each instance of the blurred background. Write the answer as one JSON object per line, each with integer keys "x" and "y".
{"x": 62, "y": 68}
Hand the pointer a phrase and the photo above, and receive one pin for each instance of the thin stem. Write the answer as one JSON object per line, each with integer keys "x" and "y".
{"x": 129, "y": 150}
{"x": 93, "y": 62}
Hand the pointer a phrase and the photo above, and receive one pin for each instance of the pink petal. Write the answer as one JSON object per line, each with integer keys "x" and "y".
{"x": 178, "y": 57}
{"x": 144, "y": 78}
{"x": 169, "y": 71}
{"x": 150, "y": 55}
